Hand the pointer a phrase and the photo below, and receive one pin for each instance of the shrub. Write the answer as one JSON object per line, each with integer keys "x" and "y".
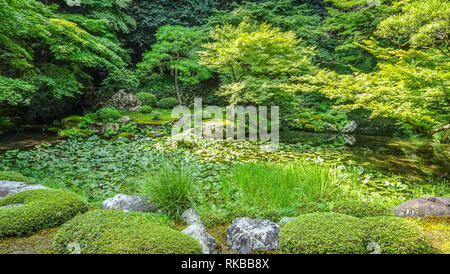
{"x": 146, "y": 109}
{"x": 167, "y": 103}
{"x": 172, "y": 187}
{"x": 117, "y": 232}
{"x": 361, "y": 209}
{"x": 108, "y": 114}
{"x": 323, "y": 233}
{"x": 41, "y": 209}
{"x": 12, "y": 176}
{"x": 397, "y": 235}
{"x": 73, "y": 132}
{"x": 72, "y": 121}
{"x": 156, "y": 115}
{"x": 147, "y": 98}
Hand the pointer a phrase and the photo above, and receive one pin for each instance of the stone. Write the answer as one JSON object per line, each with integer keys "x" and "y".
{"x": 285, "y": 220}
{"x": 350, "y": 127}
{"x": 130, "y": 203}
{"x": 125, "y": 119}
{"x": 422, "y": 207}
{"x": 349, "y": 139}
{"x": 331, "y": 128}
{"x": 198, "y": 232}
{"x": 99, "y": 128}
{"x": 246, "y": 234}
{"x": 123, "y": 100}
{"x": 191, "y": 217}
{"x": 9, "y": 188}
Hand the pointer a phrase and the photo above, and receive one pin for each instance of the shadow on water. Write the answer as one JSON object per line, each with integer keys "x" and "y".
{"x": 26, "y": 140}
{"x": 414, "y": 159}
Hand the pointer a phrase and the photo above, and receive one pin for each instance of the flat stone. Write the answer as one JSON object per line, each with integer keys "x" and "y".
{"x": 130, "y": 203}
{"x": 9, "y": 188}
{"x": 422, "y": 207}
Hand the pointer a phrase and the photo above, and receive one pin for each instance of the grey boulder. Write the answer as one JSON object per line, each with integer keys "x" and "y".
{"x": 9, "y": 188}
{"x": 422, "y": 207}
{"x": 123, "y": 100}
{"x": 350, "y": 127}
{"x": 207, "y": 242}
{"x": 246, "y": 234}
{"x": 130, "y": 203}
{"x": 191, "y": 216}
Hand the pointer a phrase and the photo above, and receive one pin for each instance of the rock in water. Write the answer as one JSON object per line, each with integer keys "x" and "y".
{"x": 422, "y": 207}
{"x": 246, "y": 234}
{"x": 331, "y": 128}
{"x": 198, "y": 232}
{"x": 191, "y": 217}
{"x": 123, "y": 100}
{"x": 8, "y": 188}
{"x": 350, "y": 127}
{"x": 130, "y": 203}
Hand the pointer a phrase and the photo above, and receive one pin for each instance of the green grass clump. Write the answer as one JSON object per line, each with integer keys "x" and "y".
{"x": 72, "y": 121}
{"x": 167, "y": 103}
{"x": 361, "y": 209}
{"x": 12, "y": 176}
{"x": 323, "y": 233}
{"x": 41, "y": 209}
{"x": 146, "y": 109}
{"x": 280, "y": 186}
{"x": 397, "y": 235}
{"x": 147, "y": 98}
{"x": 172, "y": 186}
{"x": 117, "y": 232}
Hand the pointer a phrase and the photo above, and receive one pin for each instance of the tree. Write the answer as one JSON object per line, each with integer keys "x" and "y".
{"x": 174, "y": 53}
{"x": 255, "y": 64}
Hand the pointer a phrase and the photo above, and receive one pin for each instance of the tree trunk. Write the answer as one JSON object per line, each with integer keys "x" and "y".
{"x": 177, "y": 88}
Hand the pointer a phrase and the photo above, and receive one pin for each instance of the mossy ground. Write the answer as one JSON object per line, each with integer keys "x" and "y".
{"x": 38, "y": 243}
{"x": 437, "y": 231}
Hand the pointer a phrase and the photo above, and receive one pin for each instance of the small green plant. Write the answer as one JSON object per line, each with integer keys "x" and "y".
{"x": 129, "y": 128}
{"x": 109, "y": 132}
{"x": 156, "y": 115}
{"x": 145, "y": 109}
{"x": 167, "y": 103}
{"x": 73, "y": 133}
{"x": 147, "y": 98}
{"x": 12, "y": 176}
{"x": 108, "y": 114}
{"x": 172, "y": 187}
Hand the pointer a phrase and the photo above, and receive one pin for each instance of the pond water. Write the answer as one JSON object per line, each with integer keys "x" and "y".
{"x": 26, "y": 140}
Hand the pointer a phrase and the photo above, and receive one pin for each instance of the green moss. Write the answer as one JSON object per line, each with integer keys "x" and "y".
{"x": 108, "y": 114}
{"x": 397, "y": 235}
{"x": 38, "y": 243}
{"x": 361, "y": 209}
{"x": 323, "y": 233}
{"x": 437, "y": 231}
{"x": 41, "y": 209}
{"x": 12, "y": 176}
{"x": 73, "y": 132}
{"x": 117, "y": 232}
{"x": 72, "y": 121}
{"x": 126, "y": 135}
{"x": 309, "y": 127}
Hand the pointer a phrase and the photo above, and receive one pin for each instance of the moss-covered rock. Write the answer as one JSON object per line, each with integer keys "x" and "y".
{"x": 117, "y": 232}
{"x": 127, "y": 135}
{"x": 323, "y": 233}
{"x": 40, "y": 209}
{"x": 73, "y": 132}
{"x": 361, "y": 209}
{"x": 397, "y": 235}
{"x": 72, "y": 121}
{"x": 12, "y": 176}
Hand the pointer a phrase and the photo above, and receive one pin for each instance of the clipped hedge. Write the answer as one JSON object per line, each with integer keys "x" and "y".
{"x": 12, "y": 176}
{"x": 323, "y": 233}
{"x": 147, "y": 98}
{"x": 42, "y": 208}
{"x": 361, "y": 209}
{"x": 108, "y": 114}
{"x": 145, "y": 109}
{"x": 117, "y": 232}
{"x": 167, "y": 103}
{"x": 397, "y": 235}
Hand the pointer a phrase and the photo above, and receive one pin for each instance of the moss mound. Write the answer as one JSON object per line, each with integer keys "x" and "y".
{"x": 42, "y": 208}
{"x": 12, "y": 176}
{"x": 117, "y": 232}
{"x": 397, "y": 235}
{"x": 361, "y": 209}
{"x": 323, "y": 233}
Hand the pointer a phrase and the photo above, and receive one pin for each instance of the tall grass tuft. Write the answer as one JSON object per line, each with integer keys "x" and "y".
{"x": 172, "y": 187}
{"x": 281, "y": 186}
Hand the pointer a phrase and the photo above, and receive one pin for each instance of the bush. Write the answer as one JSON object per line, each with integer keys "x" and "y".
{"x": 172, "y": 187}
{"x": 42, "y": 208}
{"x": 397, "y": 235}
{"x": 167, "y": 103}
{"x": 156, "y": 115}
{"x": 146, "y": 109}
{"x": 117, "y": 232}
{"x": 361, "y": 209}
{"x": 147, "y": 98}
{"x": 323, "y": 233}
{"x": 108, "y": 114}
{"x": 72, "y": 121}
{"x": 12, "y": 176}
{"x": 73, "y": 132}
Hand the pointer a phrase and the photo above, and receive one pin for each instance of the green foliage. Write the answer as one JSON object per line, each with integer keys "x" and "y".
{"x": 323, "y": 233}
{"x": 117, "y": 232}
{"x": 12, "y": 176}
{"x": 108, "y": 114}
{"x": 118, "y": 79}
{"x": 361, "y": 209}
{"x": 167, "y": 103}
{"x": 41, "y": 209}
{"x": 147, "y": 98}
{"x": 72, "y": 121}
{"x": 73, "y": 133}
{"x": 156, "y": 115}
{"x": 172, "y": 186}
{"x": 397, "y": 235}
